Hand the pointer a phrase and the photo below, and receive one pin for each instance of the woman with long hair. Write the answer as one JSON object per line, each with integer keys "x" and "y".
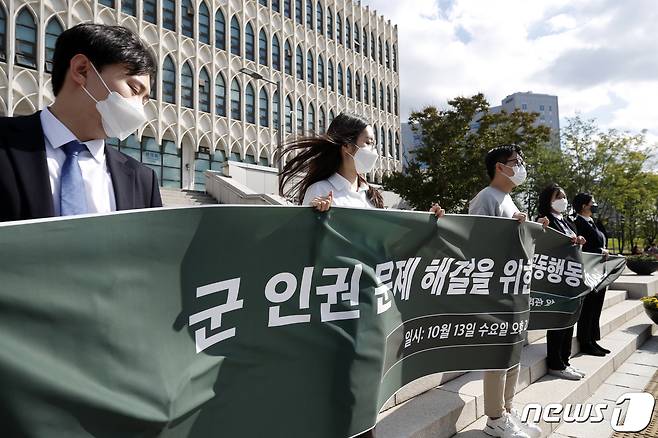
{"x": 330, "y": 169}
{"x": 553, "y": 204}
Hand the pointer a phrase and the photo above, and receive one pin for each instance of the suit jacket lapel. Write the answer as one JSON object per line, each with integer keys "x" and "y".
{"x": 123, "y": 178}
{"x": 28, "y": 148}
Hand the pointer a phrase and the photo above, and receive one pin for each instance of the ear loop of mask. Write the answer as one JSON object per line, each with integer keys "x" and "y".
{"x": 99, "y": 77}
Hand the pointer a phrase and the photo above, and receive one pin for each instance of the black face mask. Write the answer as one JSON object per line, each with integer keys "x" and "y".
{"x": 594, "y": 208}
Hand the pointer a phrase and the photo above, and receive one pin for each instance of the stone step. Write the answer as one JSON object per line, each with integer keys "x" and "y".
{"x": 612, "y": 297}
{"x": 622, "y": 343}
{"x": 441, "y": 411}
{"x": 177, "y": 197}
{"x": 632, "y": 376}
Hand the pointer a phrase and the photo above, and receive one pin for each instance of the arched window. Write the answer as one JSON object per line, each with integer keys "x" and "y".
{"x": 330, "y": 24}
{"x": 169, "y": 14}
{"x": 381, "y": 96}
{"x": 321, "y": 71}
{"x": 187, "y": 86}
{"x": 300, "y": 117}
{"x": 391, "y": 147}
{"x": 309, "y": 14}
{"x": 275, "y": 111}
{"x": 383, "y": 139}
{"x": 26, "y": 39}
{"x": 263, "y": 108}
{"x": 310, "y": 67}
{"x": 341, "y": 83}
{"x": 388, "y": 55}
{"x": 250, "y": 104}
{"x": 262, "y": 47}
{"x": 397, "y": 146}
{"x": 236, "y": 100}
{"x": 3, "y": 34}
{"x": 319, "y": 18}
{"x": 250, "y": 42}
{"x": 322, "y": 122}
{"x": 204, "y": 23}
{"x": 376, "y": 132}
{"x": 357, "y": 87}
{"x": 129, "y": 7}
{"x": 220, "y": 96}
{"x": 366, "y": 91}
{"x": 276, "y": 6}
{"x": 287, "y": 54}
{"x": 339, "y": 28}
{"x": 348, "y": 33}
{"x": 388, "y": 100}
{"x": 331, "y": 116}
{"x": 373, "y": 46}
{"x": 287, "y": 8}
{"x": 311, "y": 118}
{"x": 365, "y": 41}
{"x": 395, "y": 103}
{"x": 235, "y": 36}
{"x": 204, "y": 91}
{"x": 288, "y": 115}
{"x": 349, "y": 82}
{"x": 276, "y": 53}
{"x": 395, "y": 57}
{"x": 263, "y": 2}
{"x": 374, "y": 93}
{"x": 52, "y": 32}
{"x": 381, "y": 52}
{"x": 300, "y": 63}
{"x": 330, "y": 75}
{"x": 357, "y": 38}
{"x": 150, "y": 11}
{"x": 169, "y": 80}
{"x": 299, "y": 14}
{"x": 220, "y": 30}
{"x": 187, "y": 18}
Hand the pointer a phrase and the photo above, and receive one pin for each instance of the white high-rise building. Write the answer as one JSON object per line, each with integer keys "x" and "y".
{"x": 328, "y": 55}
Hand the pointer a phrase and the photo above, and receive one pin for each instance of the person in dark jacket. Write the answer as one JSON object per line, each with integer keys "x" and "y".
{"x": 588, "y": 331}
{"x": 55, "y": 162}
{"x": 553, "y": 205}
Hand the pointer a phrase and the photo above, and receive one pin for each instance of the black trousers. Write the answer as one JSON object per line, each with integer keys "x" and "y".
{"x": 588, "y": 324}
{"x": 558, "y": 348}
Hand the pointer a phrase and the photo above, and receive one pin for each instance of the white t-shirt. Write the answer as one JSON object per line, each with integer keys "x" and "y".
{"x": 492, "y": 202}
{"x": 344, "y": 196}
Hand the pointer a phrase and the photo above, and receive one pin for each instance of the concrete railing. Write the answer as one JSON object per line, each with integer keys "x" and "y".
{"x": 242, "y": 183}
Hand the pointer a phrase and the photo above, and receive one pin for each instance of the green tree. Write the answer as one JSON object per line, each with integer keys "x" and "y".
{"x": 449, "y": 166}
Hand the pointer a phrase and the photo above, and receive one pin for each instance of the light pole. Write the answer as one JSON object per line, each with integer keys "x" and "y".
{"x": 260, "y": 77}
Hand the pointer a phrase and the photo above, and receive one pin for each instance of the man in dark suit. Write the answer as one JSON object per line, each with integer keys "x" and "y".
{"x": 588, "y": 324}
{"x": 55, "y": 162}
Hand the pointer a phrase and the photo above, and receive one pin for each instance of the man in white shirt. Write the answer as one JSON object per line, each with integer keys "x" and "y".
{"x": 55, "y": 162}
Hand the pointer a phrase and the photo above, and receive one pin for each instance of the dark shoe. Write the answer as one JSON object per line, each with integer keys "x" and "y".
{"x": 597, "y": 346}
{"x": 591, "y": 350}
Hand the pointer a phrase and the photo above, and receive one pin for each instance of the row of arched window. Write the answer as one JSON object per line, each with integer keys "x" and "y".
{"x": 187, "y": 78}
{"x": 26, "y": 54}
{"x": 352, "y": 36}
{"x": 308, "y": 67}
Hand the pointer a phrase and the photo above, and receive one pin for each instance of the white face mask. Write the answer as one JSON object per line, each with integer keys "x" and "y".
{"x": 560, "y": 205}
{"x": 120, "y": 116}
{"x": 519, "y": 176}
{"x": 364, "y": 159}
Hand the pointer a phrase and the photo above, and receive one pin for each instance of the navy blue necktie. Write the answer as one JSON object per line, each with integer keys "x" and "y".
{"x": 72, "y": 197}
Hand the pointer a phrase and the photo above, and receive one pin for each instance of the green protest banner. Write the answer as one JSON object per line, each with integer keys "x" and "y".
{"x": 248, "y": 321}
{"x": 562, "y": 276}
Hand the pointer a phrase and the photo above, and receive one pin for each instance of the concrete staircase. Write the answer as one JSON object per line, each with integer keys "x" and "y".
{"x": 452, "y": 404}
{"x": 184, "y": 198}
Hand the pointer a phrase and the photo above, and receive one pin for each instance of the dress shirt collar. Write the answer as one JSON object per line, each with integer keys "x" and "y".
{"x": 58, "y": 135}
{"x": 340, "y": 183}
